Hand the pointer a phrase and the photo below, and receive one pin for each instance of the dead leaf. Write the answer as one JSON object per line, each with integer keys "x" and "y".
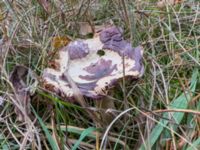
{"x": 46, "y": 5}
{"x": 177, "y": 60}
{"x": 85, "y": 28}
{"x": 164, "y": 3}
{"x": 60, "y": 41}
{"x": 22, "y": 91}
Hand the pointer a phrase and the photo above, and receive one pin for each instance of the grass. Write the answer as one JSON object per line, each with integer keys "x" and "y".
{"x": 161, "y": 109}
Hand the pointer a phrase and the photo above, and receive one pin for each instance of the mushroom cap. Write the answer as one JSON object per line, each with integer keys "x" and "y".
{"x": 94, "y": 65}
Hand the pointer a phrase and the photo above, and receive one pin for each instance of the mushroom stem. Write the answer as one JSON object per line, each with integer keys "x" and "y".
{"x": 103, "y": 105}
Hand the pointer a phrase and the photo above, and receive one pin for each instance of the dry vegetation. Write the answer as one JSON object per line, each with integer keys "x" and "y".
{"x": 158, "y": 111}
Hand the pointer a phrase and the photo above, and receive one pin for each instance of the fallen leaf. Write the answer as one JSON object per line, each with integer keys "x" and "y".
{"x": 164, "y": 3}
{"x": 85, "y": 28}
{"x": 22, "y": 91}
{"x": 177, "y": 60}
{"x": 60, "y": 41}
{"x": 46, "y": 5}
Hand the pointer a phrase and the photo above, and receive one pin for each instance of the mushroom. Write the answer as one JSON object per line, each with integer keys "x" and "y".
{"x": 94, "y": 65}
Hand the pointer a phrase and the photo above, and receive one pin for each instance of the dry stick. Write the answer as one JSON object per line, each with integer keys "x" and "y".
{"x": 195, "y": 99}
{"x": 178, "y": 110}
{"x": 148, "y": 112}
{"x": 154, "y": 112}
{"x": 160, "y": 123}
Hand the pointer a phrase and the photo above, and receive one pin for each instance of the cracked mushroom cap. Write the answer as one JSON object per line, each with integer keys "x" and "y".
{"x": 94, "y": 65}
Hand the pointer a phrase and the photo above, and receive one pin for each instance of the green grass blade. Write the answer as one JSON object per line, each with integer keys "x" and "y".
{"x": 65, "y": 103}
{"x": 82, "y": 136}
{"x": 46, "y": 131}
{"x": 181, "y": 102}
{"x": 3, "y": 143}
